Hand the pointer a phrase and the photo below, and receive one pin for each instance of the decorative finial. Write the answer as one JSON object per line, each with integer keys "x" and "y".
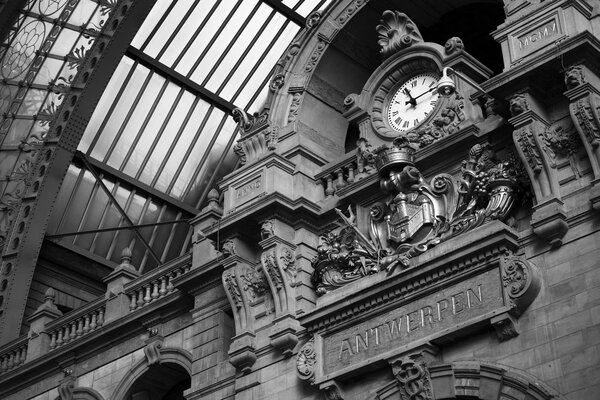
{"x": 50, "y": 295}
{"x": 126, "y": 255}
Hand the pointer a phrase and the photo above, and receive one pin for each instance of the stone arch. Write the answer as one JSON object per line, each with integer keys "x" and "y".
{"x": 475, "y": 379}
{"x": 84, "y": 393}
{"x": 168, "y": 355}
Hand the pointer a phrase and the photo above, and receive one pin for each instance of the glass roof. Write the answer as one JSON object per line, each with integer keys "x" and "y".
{"x": 161, "y": 135}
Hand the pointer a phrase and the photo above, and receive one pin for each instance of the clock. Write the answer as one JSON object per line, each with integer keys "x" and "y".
{"x": 412, "y": 102}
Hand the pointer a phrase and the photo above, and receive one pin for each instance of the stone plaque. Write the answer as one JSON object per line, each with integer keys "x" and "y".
{"x": 248, "y": 190}
{"x": 431, "y": 316}
{"x": 537, "y": 37}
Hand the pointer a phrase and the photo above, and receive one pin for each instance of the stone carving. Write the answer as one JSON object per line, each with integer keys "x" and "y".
{"x": 294, "y": 106}
{"x": 228, "y": 248}
{"x": 350, "y": 100}
{"x": 315, "y": 56}
{"x": 267, "y": 229}
{"x": 250, "y": 122}
{"x": 332, "y": 393}
{"x": 520, "y": 281}
{"x": 574, "y": 76}
{"x": 448, "y": 122}
{"x": 288, "y": 263}
{"x": 396, "y": 32}
{"x": 313, "y": 19}
{"x": 277, "y": 82}
{"x": 524, "y": 139}
{"x": 66, "y": 386}
{"x": 269, "y": 261}
{"x": 563, "y": 142}
{"x": 505, "y": 327}
{"x": 453, "y": 45}
{"x": 306, "y": 361}
{"x": 233, "y": 289}
{"x": 413, "y": 377}
{"x": 254, "y": 282}
{"x": 153, "y": 346}
{"x": 518, "y": 104}
{"x": 583, "y": 110}
{"x": 365, "y": 158}
{"x": 417, "y": 215}
{"x": 258, "y": 136}
{"x": 350, "y": 10}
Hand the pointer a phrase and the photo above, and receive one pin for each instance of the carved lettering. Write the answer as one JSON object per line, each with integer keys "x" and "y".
{"x": 550, "y": 29}
{"x": 405, "y": 324}
{"x": 248, "y": 189}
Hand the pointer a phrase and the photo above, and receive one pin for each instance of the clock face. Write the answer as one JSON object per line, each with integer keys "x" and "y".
{"x": 412, "y": 102}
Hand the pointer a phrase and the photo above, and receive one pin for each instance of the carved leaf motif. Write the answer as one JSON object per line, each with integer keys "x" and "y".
{"x": 396, "y": 32}
{"x": 306, "y": 361}
{"x": 294, "y": 107}
{"x": 232, "y": 287}
{"x": 524, "y": 137}
{"x": 254, "y": 282}
{"x": 288, "y": 263}
{"x": 582, "y": 110}
{"x": 269, "y": 260}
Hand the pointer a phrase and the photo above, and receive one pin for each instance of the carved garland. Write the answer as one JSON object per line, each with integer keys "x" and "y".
{"x": 269, "y": 260}
{"x": 232, "y": 287}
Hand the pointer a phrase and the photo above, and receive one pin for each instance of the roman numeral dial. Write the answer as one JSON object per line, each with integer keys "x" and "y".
{"x": 412, "y": 102}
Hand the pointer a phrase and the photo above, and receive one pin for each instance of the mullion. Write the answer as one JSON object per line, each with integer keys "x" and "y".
{"x": 219, "y": 163}
{"x": 236, "y": 37}
{"x": 160, "y": 132}
{"x": 177, "y": 29}
{"x": 152, "y": 238}
{"x": 70, "y": 201}
{"x": 175, "y": 140}
{"x": 116, "y": 186}
{"x": 131, "y": 111}
{"x": 86, "y": 211}
{"x": 213, "y": 39}
{"x": 112, "y": 107}
{"x": 190, "y": 148}
{"x": 205, "y": 155}
{"x": 239, "y": 62}
{"x": 260, "y": 60}
{"x": 196, "y": 33}
{"x": 158, "y": 25}
{"x": 144, "y": 124}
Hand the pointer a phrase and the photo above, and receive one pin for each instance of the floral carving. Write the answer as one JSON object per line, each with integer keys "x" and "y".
{"x": 417, "y": 215}
{"x": 413, "y": 377}
{"x": 526, "y": 142}
{"x": 515, "y": 277}
{"x": 288, "y": 263}
{"x": 448, "y": 122}
{"x": 583, "y": 112}
{"x": 350, "y": 10}
{"x": 233, "y": 289}
{"x": 563, "y": 142}
{"x": 396, "y": 32}
{"x": 254, "y": 282}
{"x": 315, "y": 56}
{"x": 269, "y": 261}
{"x": 313, "y": 19}
{"x": 574, "y": 76}
{"x": 453, "y": 45}
{"x": 277, "y": 82}
{"x": 306, "y": 361}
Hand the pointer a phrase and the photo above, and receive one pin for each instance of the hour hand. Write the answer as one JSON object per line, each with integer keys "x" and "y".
{"x": 411, "y": 100}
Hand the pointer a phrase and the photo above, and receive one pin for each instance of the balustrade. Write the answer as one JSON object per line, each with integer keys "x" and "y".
{"x": 149, "y": 289}
{"x": 80, "y": 324}
{"x": 13, "y": 356}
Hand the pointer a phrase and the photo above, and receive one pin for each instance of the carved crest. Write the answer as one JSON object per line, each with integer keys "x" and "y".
{"x": 396, "y": 32}
{"x": 413, "y": 377}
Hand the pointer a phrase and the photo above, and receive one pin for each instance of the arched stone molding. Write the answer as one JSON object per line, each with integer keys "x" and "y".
{"x": 168, "y": 355}
{"x": 476, "y": 379}
{"x": 84, "y": 393}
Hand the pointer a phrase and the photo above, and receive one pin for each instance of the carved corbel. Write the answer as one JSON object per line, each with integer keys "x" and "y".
{"x": 153, "y": 347}
{"x": 278, "y": 262}
{"x": 549, "y": 217}
{"x": 331, "y": 390}
{"x": 412, "y": 374}
{"x": 259, "y": 137}
{"x": 242, "y": 351}
{"x": 306, "y": 361}
{"x": 66, "y": 385}
{"x": 583, "y": 92}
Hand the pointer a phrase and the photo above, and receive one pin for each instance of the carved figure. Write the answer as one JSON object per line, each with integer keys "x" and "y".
{"x": 574, "y": 76}
{"x": 518, "y": 104}
{"x": 267, "y": 229}
{"x": 418, "y": 214}
{"x": 396, "y": 32}
{"x": 228, "y": 248}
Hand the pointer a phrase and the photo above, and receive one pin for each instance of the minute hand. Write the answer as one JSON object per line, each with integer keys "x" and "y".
{"x": 424, "y": 93}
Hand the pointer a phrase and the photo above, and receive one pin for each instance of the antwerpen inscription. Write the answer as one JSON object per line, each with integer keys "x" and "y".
{"x": 430, "y": 315}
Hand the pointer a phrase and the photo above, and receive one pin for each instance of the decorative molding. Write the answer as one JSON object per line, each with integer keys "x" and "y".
{"x": 453, "y": 45}
{"x": 306, "y": 361}
{"x": 153, "y": 347}
{"x": 396, "y": 32}
{"x": 521, "y": 282}
{"x": 232, "y": 287}
{"x": 505, "y": 326}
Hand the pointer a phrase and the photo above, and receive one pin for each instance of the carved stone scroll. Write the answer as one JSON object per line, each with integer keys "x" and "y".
{"x": 396, "y": 32}
{"x": 306, "y": 361}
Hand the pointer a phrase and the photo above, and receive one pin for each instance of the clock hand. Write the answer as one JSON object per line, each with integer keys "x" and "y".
{"x": 424, "y": 93}
{"x": 411, "y": 100}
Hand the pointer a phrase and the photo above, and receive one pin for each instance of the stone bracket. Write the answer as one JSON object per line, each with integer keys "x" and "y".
{"x": 242, "y": 352}
{"x": 283, "y": 334}
{"x": 331, "y": 390}
{"x": 153, "y": 347}
{"x": 505, "y": 326}
{"x": 549, "y": 221}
